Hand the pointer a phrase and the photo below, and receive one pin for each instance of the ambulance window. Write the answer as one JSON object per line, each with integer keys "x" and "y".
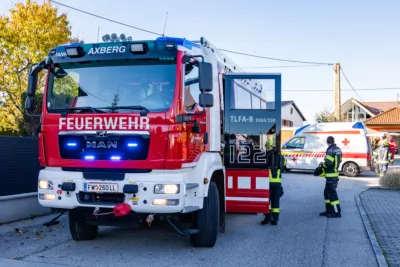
{"x": 191, "y": 89}
{"x": 295, "y": 143}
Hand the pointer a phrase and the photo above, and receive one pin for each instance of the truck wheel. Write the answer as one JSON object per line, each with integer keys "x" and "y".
{"x": 207, "y": 220}
{"x": 351, "y": 169}
{"x": 80, "y": 230}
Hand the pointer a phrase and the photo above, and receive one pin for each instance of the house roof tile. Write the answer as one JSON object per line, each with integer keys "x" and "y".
{"x": 390, "y": 117}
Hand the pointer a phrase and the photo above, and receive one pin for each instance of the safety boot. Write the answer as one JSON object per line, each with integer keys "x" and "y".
{"x": 334, "y": 215}
{"x": 267, "y": 219}
{"x": 275, "y": 218}
{"x": 325, "y": 213}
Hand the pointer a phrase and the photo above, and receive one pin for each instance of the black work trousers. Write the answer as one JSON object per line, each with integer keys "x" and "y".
{"x": 332, "y": 203}
{"x": 276, "y": 191}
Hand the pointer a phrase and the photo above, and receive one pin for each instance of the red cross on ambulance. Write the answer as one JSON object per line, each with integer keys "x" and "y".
{"x": 345, "y": 142}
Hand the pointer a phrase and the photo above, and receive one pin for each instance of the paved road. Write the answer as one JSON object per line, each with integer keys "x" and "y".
{"x": 302, "y": 238}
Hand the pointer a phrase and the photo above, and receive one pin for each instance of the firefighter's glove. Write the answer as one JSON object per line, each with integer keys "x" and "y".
{"x": 317, "y": 171}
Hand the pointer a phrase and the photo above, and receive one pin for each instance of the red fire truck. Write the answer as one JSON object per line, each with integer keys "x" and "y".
{"x": 165, "y": 129}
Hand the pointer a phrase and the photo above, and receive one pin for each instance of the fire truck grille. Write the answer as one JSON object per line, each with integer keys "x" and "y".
{"x": 104, "y": 174}
{"x": 112, "y": 147}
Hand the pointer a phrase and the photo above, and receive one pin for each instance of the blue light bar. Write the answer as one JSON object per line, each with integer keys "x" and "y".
{"x": 89, "y": 157}
{"x": 179, "y": 41}
{"x": 132, "y": 145}
{"x": 358, "y": 125}
{"x": 71, "y": 144}
{"x": 115, "y": 158}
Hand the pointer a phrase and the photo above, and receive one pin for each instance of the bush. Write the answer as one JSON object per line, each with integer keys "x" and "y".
{"x": 391, "y": 180}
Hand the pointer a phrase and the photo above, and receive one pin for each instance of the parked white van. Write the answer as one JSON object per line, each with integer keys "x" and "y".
{"x": 306, "y": 149}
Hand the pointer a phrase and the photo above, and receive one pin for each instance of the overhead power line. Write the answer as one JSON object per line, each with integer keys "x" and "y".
{"x": 331, "y": 90}
{"x": 341, "y": 69}
{"x": 278, "y": 59}
{"x": 155, "y": 33}
{"x": 111, "y": 20}
{"x": 287, "y": 66}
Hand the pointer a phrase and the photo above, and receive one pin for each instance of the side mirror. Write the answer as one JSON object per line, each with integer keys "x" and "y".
{"x": 206, "y": 100}
{"x": 29, "y": 104}
{"x": 205, "y": 77}
{"x": 32, "y": 81}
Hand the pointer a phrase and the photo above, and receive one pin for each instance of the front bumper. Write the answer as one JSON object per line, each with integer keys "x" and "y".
{"x": 140, "y": 202}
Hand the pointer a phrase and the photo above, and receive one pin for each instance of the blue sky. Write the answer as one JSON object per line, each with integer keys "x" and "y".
{"x": 364, "y": 36}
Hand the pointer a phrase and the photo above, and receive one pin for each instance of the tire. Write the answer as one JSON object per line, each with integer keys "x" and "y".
{"x": 80, "y": 230}
{"x": 207, "y": 220}
{"x": 351, "y": 169}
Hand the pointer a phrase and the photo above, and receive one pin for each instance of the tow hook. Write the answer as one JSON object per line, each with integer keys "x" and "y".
{"x": 150, "y": 219}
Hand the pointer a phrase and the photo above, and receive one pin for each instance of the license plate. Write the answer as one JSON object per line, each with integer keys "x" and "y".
{"x": 100, "y": 187}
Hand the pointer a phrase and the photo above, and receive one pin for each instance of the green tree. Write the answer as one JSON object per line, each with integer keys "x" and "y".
{"x": 26, "y": 37}
{"x": 324, "y": 116}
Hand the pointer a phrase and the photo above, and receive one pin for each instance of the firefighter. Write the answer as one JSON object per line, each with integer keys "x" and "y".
{"x": 383, "y": 156}
{"x": 330, "y": 170}
{"x": 276, "y": 192}
{"x": 375, "y": 142}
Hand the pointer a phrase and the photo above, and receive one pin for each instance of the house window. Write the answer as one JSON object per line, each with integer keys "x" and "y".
{"x": 287, "y": 123}
{"x": 291, "y": 110}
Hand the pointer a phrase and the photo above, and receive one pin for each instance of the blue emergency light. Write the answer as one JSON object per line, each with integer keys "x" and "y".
{"x": 358, "y": 125}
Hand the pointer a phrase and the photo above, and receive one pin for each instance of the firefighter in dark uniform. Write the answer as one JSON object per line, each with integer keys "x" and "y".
{"x": 330, "y": 170}
{"x": 276, "y": 192}
{"x": 383, "y": 156}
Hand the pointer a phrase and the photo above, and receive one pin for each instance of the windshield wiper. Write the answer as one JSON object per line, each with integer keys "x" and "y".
{"x": 65, "y": 111}
{"x": 143, "y": 110}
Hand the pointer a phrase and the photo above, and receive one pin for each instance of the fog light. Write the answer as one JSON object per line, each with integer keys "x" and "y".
{"x": 165, "y": 202}
{"x": 45, "y": 184}
{"x": 160, "y": 202}
{"x": 47, "y": 197}
{"x": 166, "y": 189}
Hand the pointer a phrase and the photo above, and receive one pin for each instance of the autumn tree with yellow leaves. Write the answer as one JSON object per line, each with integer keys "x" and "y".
{"x": 26, "y": 37}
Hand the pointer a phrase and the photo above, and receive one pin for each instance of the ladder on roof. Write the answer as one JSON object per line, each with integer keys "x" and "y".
{"x": 228, "y": 63}
{"x": 222, "y": 58}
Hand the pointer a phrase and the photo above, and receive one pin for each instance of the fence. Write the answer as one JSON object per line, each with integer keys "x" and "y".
{"x": 19, "y": 165}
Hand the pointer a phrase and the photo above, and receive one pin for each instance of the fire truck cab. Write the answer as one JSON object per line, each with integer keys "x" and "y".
{"x": 165, "y": 129}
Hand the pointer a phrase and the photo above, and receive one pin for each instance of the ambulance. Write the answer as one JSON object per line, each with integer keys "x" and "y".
{"x": 306, "y": 149}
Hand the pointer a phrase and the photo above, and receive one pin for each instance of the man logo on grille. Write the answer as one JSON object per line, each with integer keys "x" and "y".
{"x": 101, "y": 134}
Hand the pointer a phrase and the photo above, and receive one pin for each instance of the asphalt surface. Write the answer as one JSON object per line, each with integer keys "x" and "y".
{"x": 302, "y": 238}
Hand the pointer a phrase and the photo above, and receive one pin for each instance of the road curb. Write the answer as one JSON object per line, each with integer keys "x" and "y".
{"x": 380, "y": 258}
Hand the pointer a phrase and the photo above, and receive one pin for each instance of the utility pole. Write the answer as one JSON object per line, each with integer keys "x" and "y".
{"x": 337, "y": 93}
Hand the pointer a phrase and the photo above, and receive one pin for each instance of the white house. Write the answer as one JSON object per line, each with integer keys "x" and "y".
{"x": 353, "y": 110}
{"x": 291, "y": 115}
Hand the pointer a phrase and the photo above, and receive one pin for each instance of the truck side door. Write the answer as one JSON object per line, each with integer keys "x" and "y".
{"x": 251, "y": 142}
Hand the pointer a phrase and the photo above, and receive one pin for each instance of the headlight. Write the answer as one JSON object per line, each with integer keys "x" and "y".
{"x": 166, "y": 189}
{"x": 45, "y": 184}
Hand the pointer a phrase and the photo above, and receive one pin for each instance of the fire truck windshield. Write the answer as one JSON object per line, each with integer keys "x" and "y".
{"x": 111, "y": 84}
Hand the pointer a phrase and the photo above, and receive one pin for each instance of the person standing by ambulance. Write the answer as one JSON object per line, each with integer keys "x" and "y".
{"x": 330, "y": 170}
{"x": 276, "y": 192}
{"x": 393, "y": 147}
{"x": 382, "y": 157}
